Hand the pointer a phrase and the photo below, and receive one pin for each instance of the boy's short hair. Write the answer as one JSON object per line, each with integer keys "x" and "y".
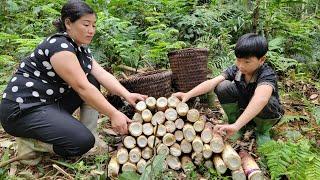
{"x": 251, "y": 45}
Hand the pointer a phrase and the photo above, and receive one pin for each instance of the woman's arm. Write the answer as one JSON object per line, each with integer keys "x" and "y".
{"x": 68, "y": 68}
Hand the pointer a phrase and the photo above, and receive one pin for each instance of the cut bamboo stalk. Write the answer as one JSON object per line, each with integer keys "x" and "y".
{"x": 113, "y": 167}
{"x": 168, "y": 139}
{"x": 163, "y": 149}
{"x": 179, "y": 135}
{"x": 142, "y": 141}
{"x": 186, "y": 163}
{"x": 170, "y": 126}
{"x": 137, "y": 117}
{"x": 179, "y": 123}
{"x": 151, "y": 141}
{"x": 173, "y": 162}
{"x": 147, "y": 129}
{"x": 219, "y": 164}
{"x": 216, "y": 143}
{"x": 122, "y": 155}
{"x": 140, "y": 106}
{"x": 206, "y": 134}
{"x": 207, "y": 152}
{"x": 198, "y": 126}
{"x": 162, "y": 103}
{"x": 147, "y": 153}
{"x": 193, "y": 115}
{"x": 175, "y": 150}
{"x": 250, "y": 166}
{"x": 171, "y": 114}
{"x": 162, "y": 130}
{"x": 173, "y": 102}
{"x": 134, "y": 155}
{"x": 186, "y": 146}
{"x": 231, "y": 157}
{"x": 208, "y": 164}
{"x": 203, "y": 118}
{"x": 238, "y": 174}
{"x": 197, "y": 157}
{"x": 182, "y": 109}
{"x": 188, "y": 132}
{"x": 146, "y": 115}
{"x": 141, "y": 165}
{"x": 158, "y": 118}
{"x": 129, "y": 142}
{"x": 197, "y": 144}
{"x": 135, "y": 129}
{"x": 128, "y": 166}
{"x": 151, "y": 103}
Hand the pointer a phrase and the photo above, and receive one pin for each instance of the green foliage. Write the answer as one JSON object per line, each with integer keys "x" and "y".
{"x": 154, "y": 168}
{"x": 295, "y": 160}
{"x": 291, "y": 118}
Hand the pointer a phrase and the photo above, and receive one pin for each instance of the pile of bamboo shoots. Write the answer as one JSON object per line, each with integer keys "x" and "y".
{"x": 168, "y": 126}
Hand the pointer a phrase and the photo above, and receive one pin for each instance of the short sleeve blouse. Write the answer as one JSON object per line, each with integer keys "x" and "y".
{"x": 36, "y": 81}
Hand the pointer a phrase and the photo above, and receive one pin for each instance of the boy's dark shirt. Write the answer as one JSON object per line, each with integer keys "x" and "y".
{"x": 263, "y": 75}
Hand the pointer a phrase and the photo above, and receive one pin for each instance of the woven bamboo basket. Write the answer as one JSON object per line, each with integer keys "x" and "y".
{"x": 189, "y": 67}
{"x": 154, "y": 83}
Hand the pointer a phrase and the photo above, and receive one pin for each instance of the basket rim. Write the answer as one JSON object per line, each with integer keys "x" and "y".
{"x": 148, "y": 75}
{"x": 188, "y": 50}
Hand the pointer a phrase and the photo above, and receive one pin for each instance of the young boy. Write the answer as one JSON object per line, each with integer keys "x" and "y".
{"x": 247, "y": 90}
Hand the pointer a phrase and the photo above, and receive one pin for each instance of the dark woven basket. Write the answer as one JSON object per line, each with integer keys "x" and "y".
{"x": 189, "y": 67}
{"x": 154, "y": 83}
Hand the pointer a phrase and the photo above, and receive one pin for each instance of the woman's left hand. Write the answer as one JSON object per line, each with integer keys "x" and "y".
{"x": 133, "y": 97}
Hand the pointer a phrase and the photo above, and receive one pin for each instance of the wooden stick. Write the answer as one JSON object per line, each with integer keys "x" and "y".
{"x": 151, "y": 141}
{"x": 173, "y": 102}
{"x": 169, "y": 139}
{"x": 179, "y": 123}
{"x": 135, "y": 129}
{"x": 171, "y": 114}
{"x": 129, "y": 142}
{"x": 250, "y": 166}
{"x": 170, "y": 126}
{"x": 162, "y": 103}
{"x": 122, "y": 155}
{"x": 146, "y": 115}
{"x": 134, "y": 155}
{"x": 219, "y": 164}
{"x": 173, "y": 162}
{"x": 175, "y": 150}
{"x": 151, "y": 103}
{"x": 188, "y": 132}
{"x": 231, "y": 157}
{"x": 128, "y": 68}
{"x": 182, "y": 109}
{"x": 193, "y": 115}
{"x": 147, "y": 129}
{"x": 62, "y": 171}
{"x": 142, "y": 141}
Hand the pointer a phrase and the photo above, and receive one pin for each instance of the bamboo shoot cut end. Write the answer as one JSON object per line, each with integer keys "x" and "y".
{"x": 151, "y": 102}
{"x": 140, "y": 106}
{"x": 162, "y": 103}
{"x": 171, "y": 114}
{"x": 173, "y": 102}
{"x": 135, "y": 129}
{"x": 193, "y": 115}
{"x": 182, "y": 109}
{"x": 146, "y": 115}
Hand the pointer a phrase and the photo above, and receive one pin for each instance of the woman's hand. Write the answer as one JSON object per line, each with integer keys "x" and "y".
{"x": 229, "y": 129}
{"x": 132, "y": 98}
{"x": 184, "y": 97}
{"x": 119, "y": 122}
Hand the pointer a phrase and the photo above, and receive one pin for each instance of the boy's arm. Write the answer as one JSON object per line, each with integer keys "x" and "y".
{"x": 202, "y": 88}
{"x": 259, "y": 100}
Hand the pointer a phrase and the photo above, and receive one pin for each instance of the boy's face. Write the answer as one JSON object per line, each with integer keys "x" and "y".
{"x": 248, "y": 66}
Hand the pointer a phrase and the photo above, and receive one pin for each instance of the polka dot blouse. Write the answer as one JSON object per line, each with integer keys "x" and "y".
{"x": 36, "y": 81}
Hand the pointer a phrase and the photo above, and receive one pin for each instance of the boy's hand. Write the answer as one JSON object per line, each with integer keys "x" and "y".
{"x": 133, "y": 97}
{"x": 229, "y": 129}
{"x": 184, "y": 97}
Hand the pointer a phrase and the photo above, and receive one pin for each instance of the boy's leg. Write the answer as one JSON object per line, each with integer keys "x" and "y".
{"x": 266, "y": 119}
{"x": 228, "y": 96}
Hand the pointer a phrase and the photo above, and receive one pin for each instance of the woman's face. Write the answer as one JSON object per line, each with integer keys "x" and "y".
{"x": 83, "y": 29}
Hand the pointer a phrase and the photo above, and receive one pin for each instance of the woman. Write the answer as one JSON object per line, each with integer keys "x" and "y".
{"x": 58, "y": 77}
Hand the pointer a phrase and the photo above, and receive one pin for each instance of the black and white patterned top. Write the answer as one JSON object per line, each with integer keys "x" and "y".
{"x": 36, "y": 81}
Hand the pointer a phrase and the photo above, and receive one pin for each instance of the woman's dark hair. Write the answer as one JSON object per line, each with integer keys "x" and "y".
{"x": 251, "y": 45}
{"x": 73, "y": 9}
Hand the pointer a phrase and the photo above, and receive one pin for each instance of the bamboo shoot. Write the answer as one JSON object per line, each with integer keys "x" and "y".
{"x": 129, "y": 142}
{"x": 147, "y": 129}
{"x": 163, "y": 149}
{"x": 151, "y": 103}
{"x": 182, "y": 109}
{"x": 141, "y": 165}
{"x": 219, "y": 164}
{"x": 238, "y": 174}
{"x": 193, "y": 115}
{"x": 197, "y": 144}
{"x": 175, "y": 150}
{"x": 113, "y": 167}
{"x": 162, "y": 103}
{"x": 207, "y": 152}
{"x": 122, "y": 155}
{"x": 142, "y": 141}
{"x": 128, "y": 166}
{"x": 170, "y": 126}
{"x": 134, "y": 155}
{"x": 179, "y": 123}
{"x": 135, "y": 129}
{"x": 146, "y": 115}
{"x": 178, "y": 135}
{"x": 168, "y": 139}
{"x": 216, "y": 143}
{"x": 158, "y": 118}
{"x": 231, "y": 157}
{"x": 147, "y": 153}
{"x": 186, "y": 146}
{"x": 140, "y": 106}
{"x": 188, "y": 132}
{"x": 173, "y": 102}
{"x": 250, "y": 167}
{"x": 173, "y": 162}
{"x": 171, "y": 114}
